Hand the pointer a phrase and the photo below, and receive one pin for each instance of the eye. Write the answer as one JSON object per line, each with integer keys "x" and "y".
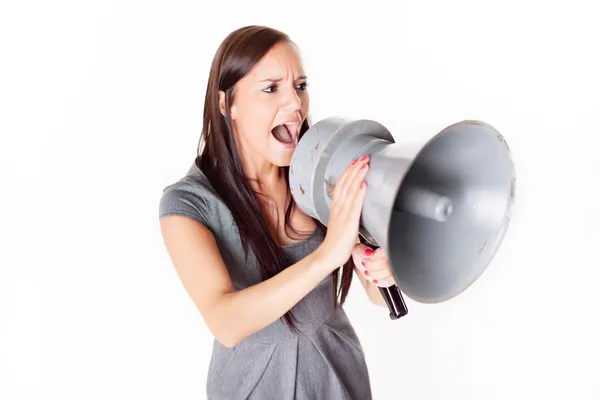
{"x": 302, "y": 86}
{"x": 270, "y": 89}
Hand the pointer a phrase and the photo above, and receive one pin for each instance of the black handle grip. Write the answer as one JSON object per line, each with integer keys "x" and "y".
{"x": 395, "y": 302}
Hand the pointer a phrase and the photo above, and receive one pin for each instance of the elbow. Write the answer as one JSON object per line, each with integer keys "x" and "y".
{"x": 225, "y": 327}
{"x": 226, "y": 333}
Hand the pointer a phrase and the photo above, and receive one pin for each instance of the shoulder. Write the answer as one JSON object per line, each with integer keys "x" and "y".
{"x": 192, "y": 196}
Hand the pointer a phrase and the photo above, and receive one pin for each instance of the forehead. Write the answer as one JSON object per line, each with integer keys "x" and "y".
{"x": 282, "y": 61}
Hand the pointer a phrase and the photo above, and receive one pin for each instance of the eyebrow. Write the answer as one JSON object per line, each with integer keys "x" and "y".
{"x": 279, "y": 79}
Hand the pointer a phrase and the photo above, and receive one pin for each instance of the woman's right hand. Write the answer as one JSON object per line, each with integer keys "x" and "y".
{"x": 344, "y": 215}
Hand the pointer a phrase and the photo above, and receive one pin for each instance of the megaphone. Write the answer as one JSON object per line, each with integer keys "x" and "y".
{"x": 440, "y": 211}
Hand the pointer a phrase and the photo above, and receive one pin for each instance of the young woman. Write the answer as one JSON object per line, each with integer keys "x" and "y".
{"x": 268, "y": 280}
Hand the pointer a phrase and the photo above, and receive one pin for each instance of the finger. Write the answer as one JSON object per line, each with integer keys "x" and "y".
{"x": 355, "y": 205}
{"x": 356, "y": 181}
{"x": 363, "y": 270}
{"x": 358, "y": 253}
{"x": 355, "y": 190}
{"x": 378, "y": 274}
{"x": 381, "y": 265}
{"x": 337, "y": 188}
{"x": 384, "y": 283}
{"x": 367, "y": 274}
{"x": 340, "y": 189}
{"x": 356, "y": 176}
{"x": 381, "y": 282}
{"x": 352, "y": 171}
{"x": 378, "y": 255}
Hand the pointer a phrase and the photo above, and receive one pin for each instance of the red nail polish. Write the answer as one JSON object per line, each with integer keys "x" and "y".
{"x": 368, "y": 252}
{"x": 375, "y": 281}
{"x": 363, "y": 158}
{"x": 362, "y": 185}
{"x": 363, "y": 166}
{"x": 354, "y": 162}
{"x": 366, "y": 272}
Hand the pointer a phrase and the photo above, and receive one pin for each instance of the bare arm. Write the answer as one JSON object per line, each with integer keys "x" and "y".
{"x": 232, "y": 316}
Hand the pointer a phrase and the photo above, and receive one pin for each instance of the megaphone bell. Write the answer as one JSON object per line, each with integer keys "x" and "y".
{"x": 440, "y": 212}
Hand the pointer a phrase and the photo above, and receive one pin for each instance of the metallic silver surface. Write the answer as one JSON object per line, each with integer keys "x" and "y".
{"x": 440, "y": 212}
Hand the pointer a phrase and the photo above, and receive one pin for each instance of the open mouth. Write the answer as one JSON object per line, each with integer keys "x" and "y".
{"x": 286, "y": 133}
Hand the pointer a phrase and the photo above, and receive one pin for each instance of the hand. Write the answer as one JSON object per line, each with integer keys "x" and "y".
{"x": 347, "y": 200}
{"x": 373, "y": 265}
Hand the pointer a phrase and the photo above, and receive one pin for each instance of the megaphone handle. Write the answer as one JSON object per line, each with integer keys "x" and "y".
{"x": 392, "y": 295}
{"x": 394, "y": 300}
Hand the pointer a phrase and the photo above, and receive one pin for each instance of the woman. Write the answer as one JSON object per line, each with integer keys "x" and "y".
{"x": 264, "y": 275}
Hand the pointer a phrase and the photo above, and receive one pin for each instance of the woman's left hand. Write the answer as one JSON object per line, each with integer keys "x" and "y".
{"x": 373, "y": 265}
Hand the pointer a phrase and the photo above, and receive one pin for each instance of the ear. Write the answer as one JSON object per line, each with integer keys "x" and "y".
{"x": 222, "y": 103}
{"x": 223, "y": 107}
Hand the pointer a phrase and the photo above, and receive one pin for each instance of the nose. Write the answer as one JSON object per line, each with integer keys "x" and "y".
{"x": 292, "y": 102}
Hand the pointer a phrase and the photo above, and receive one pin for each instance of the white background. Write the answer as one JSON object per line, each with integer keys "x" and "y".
{"x": 101, "y": 107}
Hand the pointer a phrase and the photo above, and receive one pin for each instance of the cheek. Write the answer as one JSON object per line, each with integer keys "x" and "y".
{"x": 305, "y": 99}
{"x": 265, "y": 115}
{"x": 254, "y": 121}
{"x": 260, "y": 112}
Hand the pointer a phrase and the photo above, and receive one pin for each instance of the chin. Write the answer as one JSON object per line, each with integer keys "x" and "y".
{"x": 278, "y": 153}
{"x": 283, "y": 160}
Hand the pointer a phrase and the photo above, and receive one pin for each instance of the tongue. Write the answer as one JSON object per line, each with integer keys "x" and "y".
{"x": 282, "y": 134}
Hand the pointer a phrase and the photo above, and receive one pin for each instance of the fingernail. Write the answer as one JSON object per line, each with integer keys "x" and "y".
{"x": 363, "y": 166}
{"x": 366, "y": 272}
{"x": 375, "y": 281}
{"x": 362, "y": 185}
{"x": 368, "y": 252}
{"x": 354, "y": 162}
{"x": 363, "y": 158}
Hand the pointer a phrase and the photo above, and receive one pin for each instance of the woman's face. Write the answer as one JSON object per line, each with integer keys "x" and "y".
{"x": 269, "y": 106}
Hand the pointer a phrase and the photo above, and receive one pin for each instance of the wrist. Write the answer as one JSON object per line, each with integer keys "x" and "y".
{"x": 323, "y": 259}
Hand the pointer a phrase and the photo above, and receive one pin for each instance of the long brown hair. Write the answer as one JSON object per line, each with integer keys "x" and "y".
{"x": 220, "y": 161}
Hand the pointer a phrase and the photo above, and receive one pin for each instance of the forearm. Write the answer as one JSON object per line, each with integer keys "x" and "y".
{"x": 375, "y": 295}
{"x": 240, "y": 314}
{"x": 371, "y": 290}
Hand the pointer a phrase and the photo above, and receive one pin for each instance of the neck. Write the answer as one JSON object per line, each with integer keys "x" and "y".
{"x": 264, "y": 177}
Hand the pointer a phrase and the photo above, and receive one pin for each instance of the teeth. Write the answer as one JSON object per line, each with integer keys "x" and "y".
{"x": 290, "y": 123}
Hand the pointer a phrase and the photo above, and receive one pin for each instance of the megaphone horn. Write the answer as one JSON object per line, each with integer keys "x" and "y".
{"x": 440, "y": 211}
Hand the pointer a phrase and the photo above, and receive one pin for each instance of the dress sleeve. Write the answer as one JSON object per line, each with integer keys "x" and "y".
{"x": 186, "y": 199}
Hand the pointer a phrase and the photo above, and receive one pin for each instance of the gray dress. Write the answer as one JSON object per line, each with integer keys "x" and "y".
{"x": 324, "y": 360}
